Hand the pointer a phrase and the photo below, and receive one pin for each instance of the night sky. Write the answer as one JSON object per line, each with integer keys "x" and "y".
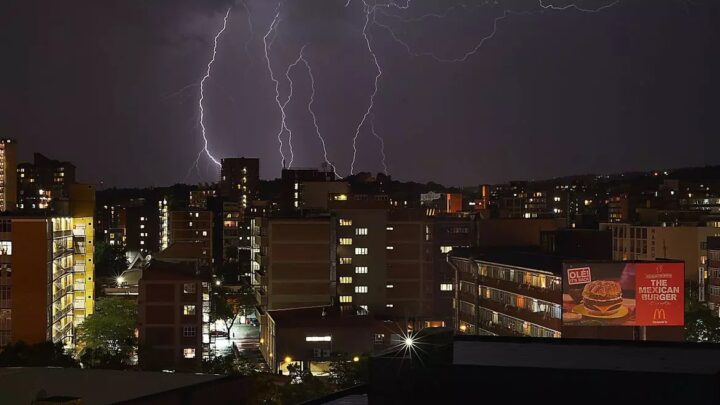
{"x": 112, "y": 86}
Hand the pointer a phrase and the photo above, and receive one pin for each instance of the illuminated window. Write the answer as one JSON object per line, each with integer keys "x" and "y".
{"x": 204, "y": 233}
{"x": 361, "y": 231}
{"x": 142, "y": 226}
{"x": 445, "y": 249}
{"x": 389, "y": 305}
{"x": 345, "y": 280}
{"x": 361, "y": 289}
{"x": 189, "y": 331}
{"x": 446, "y": 287}
{"x": 297, "y": 186}
{"x": 346, "y": 241}
{"x": 361, "y": 251}
{"x": 390, "y": 247}
{"x": 389, "y": 228}
{"x": 346, "y": 222}
{"x": 189, "y": 288}
{"x": 361, "y": 269}
{"x": 346, "y": 260}
{"x": 345, "y": 298}
{"x": 5, "y": 247}
{"x": 318, "y": 338}
{"x": 190, "y": 224}
{"x": 389, "y": 286}
{"x": 189, "y": 353}
{"x": 189, "y": 310}
{"x": 340, "y": 197}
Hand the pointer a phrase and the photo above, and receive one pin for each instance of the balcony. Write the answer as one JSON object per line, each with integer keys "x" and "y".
{"x": 545, "y": 294}
{"x": 62, "y": 313}
{"x": 538, "y": 318}
{"x": 467, "y": 297}
{"x": 498, "y": 329}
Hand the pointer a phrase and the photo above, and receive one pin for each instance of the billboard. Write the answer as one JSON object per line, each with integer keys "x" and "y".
{"x": 623, "y": 294}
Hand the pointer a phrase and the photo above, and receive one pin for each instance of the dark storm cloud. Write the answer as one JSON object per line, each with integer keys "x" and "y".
{"x": 113, "y": 87}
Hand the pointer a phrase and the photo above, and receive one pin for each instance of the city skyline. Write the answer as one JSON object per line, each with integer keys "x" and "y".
{"x": 551, "y": 81}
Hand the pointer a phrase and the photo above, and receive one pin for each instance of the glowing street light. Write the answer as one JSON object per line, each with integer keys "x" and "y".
{"x": 120, "y": 280}
{"x": 356, "y": 359}
{"x": 409, "y": 341}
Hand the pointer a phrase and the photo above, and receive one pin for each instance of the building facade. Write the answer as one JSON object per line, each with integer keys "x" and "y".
{"x": 8, "y": 175}
{"x": 42, "y": 182}
{"x": 507, "y": 294}
{"x": 174, "y": 316}
{"x": 47, "y": 273}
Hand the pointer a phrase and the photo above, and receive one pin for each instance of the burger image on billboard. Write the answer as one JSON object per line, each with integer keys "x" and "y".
{"x": 602, "y": 298}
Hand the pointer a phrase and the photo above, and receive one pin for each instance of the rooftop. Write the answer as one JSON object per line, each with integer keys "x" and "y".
{"x": 528, "y": 258}
{"x": 21, "y": 385}
{"x": 319, "y": 316}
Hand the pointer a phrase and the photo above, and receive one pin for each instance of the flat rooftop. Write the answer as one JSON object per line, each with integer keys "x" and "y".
{"x": 529, "y": 258}
{"x": 320, "y": 316}
{"x": 675, "y": 358}
{"x": 21, "y": 385}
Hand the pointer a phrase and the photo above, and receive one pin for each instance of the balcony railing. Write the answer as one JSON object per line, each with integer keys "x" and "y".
{"x": 545, "y": 294}
{"x": 62, "y": 313}
{"x": 539, "y": 318}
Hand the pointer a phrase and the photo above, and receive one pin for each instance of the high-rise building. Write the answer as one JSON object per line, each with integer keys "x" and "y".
{"x": 713, "y": 268}
{"x": 8, "y": 175}
{"x": 239, "y": 180}
{"x": 43, "y": 182}
{"x": 47, "y": 272}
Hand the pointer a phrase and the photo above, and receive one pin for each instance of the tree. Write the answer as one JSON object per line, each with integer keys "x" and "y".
{"x": 346, "y": 373}
{"x": 110, "y": 260}
{"x": 700, "y": 323}
{"x": 230, "y": 365}
{"x": 45, "y": 354}
{"x": 223, "y": 309}
{"x": 107, "y": 337}
{"x": 303, "y": 386}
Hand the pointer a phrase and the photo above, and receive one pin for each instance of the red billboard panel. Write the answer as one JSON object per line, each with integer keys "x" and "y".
{"x": 624, "y": 294}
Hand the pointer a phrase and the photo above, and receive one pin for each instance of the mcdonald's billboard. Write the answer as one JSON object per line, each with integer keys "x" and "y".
{"x": 624, "y": 294}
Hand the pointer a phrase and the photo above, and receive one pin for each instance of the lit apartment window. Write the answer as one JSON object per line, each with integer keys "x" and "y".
{"x": 361, "y": 289}
{"x": 345, "y": 298}
{"x": 446, "y": 287}
{"x": 389, "y": 305}
{"x": 297, "y": 186}
{"x": 197, "y": 215}
{"x": 189, "y": 353}
{"x": 189, "y": 288}
{"x": 142, "y": 226}
{"x": 190, "y": 224}
{"x": 389, "y": 228}
{"x": 346, "y": 222}
{"x": 189, "y": 310}
{"x": 142, "y": 218}
{"x": 142, "y": 242}
{"x": 361, "y": 269}
{"x": 445, "y": 249}
{"x": 361, "y": 231}
{"x": 389, "y": 286}
{"x": 318, "y": 338}
{"x": 346, "y": 260}
{"x": 390, "y": 247}
{"x": 345, "y": 280}
{"x": 204, "y": 233}
{"x": 346, "y": 241}
{"x": 189, "y": 331}
{"x": 5, "y": 247}
{"x": 361, "y": 251}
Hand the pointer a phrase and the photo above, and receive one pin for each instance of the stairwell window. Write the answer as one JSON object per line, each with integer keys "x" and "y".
{"x": 361, "y": 251}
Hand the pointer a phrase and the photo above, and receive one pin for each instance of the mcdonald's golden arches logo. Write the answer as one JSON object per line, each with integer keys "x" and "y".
{"x": 659, "y": 314}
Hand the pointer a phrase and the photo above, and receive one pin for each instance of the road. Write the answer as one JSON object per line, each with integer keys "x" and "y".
{"x": 245, "y": 337}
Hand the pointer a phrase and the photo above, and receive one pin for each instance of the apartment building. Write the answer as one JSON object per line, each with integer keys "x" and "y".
{"x": 174, "y": 316}
{"x": 291, "y": 262}
{"x": 650, "y": 242}
{"x": 507, "y": 293}
{"x": 240, "y": 179}
{"x": 189, "y": 226}
{"x": 47, "y": 272}
{"x": 8, "y": 174}
{"x": 42, "y": 182}
{"x": 713, "y": 270}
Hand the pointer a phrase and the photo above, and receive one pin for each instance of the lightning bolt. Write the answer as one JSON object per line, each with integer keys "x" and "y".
{"x": 312, "y": 112}
{"x": 202, "y": 96}
{"x": 368, "y": 10}
{"x": 382, "y": 143}
{"x": 290, "y": 94}
{"x": 576, "y": 7}
{"x": 272, "y": 27}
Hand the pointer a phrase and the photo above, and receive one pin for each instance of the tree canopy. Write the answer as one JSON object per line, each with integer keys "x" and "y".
{"x": 107, "y": 337}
